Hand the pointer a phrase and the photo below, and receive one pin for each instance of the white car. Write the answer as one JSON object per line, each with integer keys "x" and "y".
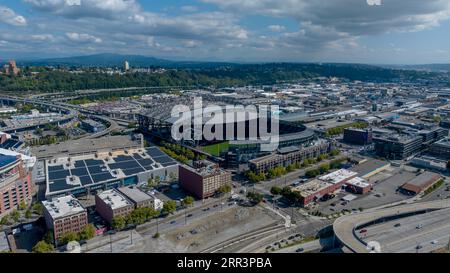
{"x": 435, "y": 242}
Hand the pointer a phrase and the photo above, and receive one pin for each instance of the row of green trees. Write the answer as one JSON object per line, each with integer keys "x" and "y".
{"x": 340, "y": 129}
{"x": 140, "y": 216}
{"x": 323, "y": 168}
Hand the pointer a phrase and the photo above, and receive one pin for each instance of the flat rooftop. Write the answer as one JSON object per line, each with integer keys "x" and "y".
{"x": 135, "y": 194}
{"x": 70, "y": 173}
{"x": 86, "y": 146}
{"x": 443, "y": 142}
{"x": 424, "y": 179}
{"x": 63, "y": 206}
{"x": 358, "y": 182}
{"x": 338, "y": 176}
{"x": 114, "y": 199}
{"x": 369, "y": 166}
{"x": 311, "y": 187}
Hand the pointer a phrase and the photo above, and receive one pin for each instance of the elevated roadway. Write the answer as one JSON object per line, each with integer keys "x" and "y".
{"x": 345, "y": 227}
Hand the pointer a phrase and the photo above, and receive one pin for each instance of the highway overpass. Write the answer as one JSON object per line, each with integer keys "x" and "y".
{"x": 345, "y": 227}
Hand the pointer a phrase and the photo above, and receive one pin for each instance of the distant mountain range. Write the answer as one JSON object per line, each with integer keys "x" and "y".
{"x": 116, "y": 60}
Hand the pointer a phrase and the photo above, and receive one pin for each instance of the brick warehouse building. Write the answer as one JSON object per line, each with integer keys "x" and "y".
{"x": 204, "y": 180}
{"x": 15, "y": 180}
{"x": 64, "y": 215}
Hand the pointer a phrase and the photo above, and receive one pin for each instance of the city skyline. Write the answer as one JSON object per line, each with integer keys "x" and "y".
{"x": 395, "y": 32}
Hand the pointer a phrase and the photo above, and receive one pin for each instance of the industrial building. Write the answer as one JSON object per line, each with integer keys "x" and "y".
{"x": 111, "y": 204}
{"x": 140, "y": 199}
{"x": 358, "y": 185}
{"x": 204, "y": 179}
{"x": 313, "y": 190}
{"x": 420, "y": 183}
{"x": 90, "y": 173}
{"x": 63, "y": 215}
{"x": 370, "y": 168}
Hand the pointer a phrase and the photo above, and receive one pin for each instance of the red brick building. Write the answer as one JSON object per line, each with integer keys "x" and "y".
{"x": 64, "y": 215}
{"x": 204, "y": 180}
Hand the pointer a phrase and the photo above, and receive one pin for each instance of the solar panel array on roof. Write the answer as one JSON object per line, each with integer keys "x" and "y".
{"x": 79, "y": 171}
{"x": 55, "y": 168}
{"x": 58, "y": 175}
{"x": 93, "y": 162}
{"x": 86, "y": 180}
{"x": 155, "y": 152}
{"x": 163, "y": 159}
{"x": 79, "y": 164}
{"x": 92, "y": 171}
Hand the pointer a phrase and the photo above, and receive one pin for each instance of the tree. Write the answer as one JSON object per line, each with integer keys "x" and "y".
{"x": 43, "y": 247}
{"x": 150, "y": 182}
{"x": 157, "y": 180}
{"x": 15, "y": 215}
{"x": 38, "y": 208}
{"x": 22, "y": 205}
{"x": 4, "y": 220}
{"x": 276, "y": 190}
{"x": 255, "y": 197}
{"x": 118, "y": 223}
{"x": 169, "y": 207}
{"x": 187, "y": 201}
{"x": 28, "y": 214}
{"x": 334, "y": 152}
{"x": 87, "y": 233}
{"x": 324, "y": 168}
{"x": 312, "y": 173}
{"x": 224, "y": 189}
{"x": 69, "y": 237}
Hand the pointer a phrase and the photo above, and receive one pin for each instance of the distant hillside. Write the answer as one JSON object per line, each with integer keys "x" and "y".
{"x": 117, "y": 60}
{"x": 422, "y": 67}
{"x": 100, "y": 60}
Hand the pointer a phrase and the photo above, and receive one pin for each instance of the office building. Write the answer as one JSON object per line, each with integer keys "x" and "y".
{"x": 441, "y": 148}
{"x": 397, "y": 147}
{"x": 204, "y": 179}
{"x": 358, "y": 136}
{"x": 63, "y": 215}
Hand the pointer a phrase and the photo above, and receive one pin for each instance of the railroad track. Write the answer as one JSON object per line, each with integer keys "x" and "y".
{"x": 252, "y": 235}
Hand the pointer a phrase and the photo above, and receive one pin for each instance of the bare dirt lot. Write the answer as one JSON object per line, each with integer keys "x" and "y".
{"x": 207, "y": 232}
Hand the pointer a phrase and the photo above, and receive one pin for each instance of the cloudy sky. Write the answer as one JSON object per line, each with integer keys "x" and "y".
{"x": 397, "y": 31}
